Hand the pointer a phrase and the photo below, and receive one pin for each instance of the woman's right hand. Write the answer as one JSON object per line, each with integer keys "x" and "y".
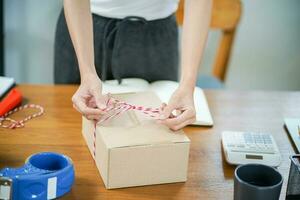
{"x": 88, "y": 99}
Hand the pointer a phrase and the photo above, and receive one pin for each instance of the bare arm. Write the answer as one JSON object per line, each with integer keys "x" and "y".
{"x": 196, "y": 22}
{"x": 79, "y": 20}
{"x": 195, "y": 28}
{"x": 88, "y": 99}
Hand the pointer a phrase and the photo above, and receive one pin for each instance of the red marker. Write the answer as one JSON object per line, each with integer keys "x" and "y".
{"x": 12, "y": 99}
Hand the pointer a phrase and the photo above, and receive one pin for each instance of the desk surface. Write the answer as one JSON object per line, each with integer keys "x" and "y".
{"x": 209, "y": 177}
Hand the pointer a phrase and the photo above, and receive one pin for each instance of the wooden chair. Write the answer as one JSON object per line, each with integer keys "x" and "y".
{"x": 225, "y": 17}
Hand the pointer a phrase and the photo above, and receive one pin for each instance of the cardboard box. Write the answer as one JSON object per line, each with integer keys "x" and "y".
{"x": 133, "y": 150}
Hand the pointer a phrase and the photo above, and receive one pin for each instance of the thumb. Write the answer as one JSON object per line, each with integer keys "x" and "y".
{"x": 99, "y": 99}
{"x": 167, "y": 111}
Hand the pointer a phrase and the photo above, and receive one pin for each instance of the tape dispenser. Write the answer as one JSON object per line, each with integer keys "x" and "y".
{"x": 45, "y": 175}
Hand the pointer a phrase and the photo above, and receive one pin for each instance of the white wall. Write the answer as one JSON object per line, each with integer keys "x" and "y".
{"x": 266, "y": 52}
{"x": 29, "y": 36}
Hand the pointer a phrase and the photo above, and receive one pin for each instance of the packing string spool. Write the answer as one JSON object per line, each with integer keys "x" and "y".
{"x": 21, "y": 123}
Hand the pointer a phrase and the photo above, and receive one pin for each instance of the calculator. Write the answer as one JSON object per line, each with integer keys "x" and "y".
{"x": 249, "y": 147}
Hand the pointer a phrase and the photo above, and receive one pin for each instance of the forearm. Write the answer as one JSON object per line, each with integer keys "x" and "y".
{"x": 79, "y": 21}
{"x": 197, "y": 14}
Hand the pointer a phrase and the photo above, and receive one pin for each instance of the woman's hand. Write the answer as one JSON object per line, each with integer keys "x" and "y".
{"x": 88, "y": 99}
{"x": 180, "y": 111}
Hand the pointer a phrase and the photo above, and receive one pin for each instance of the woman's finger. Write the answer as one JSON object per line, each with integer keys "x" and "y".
{"x": 179, "y": 119}
{"x": 93, "y": 117}
{"x": 167, "y": 111}
{"x": 85, "y": 110}
{"x": 91, "y": 103}
{"x": 183, "y": 124}
{"x": 100, "y": 99}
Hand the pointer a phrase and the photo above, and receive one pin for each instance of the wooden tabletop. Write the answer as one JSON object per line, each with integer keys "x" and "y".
{"x": 209, "y": 177}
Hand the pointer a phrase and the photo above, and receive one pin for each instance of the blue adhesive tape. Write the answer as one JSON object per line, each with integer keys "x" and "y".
{"x": 45, "y": 175}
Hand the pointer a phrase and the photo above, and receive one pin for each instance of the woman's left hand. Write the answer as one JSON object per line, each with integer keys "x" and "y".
{"x": 180, "y": 111}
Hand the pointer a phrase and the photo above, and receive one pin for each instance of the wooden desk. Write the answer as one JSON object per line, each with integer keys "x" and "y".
{"x": 209, "y": 176}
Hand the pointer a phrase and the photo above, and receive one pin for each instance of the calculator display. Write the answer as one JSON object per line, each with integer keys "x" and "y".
{"x": 257, "y": 157}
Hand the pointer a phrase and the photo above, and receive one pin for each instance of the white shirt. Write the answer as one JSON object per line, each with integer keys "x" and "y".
{"x": 148, "y": 9}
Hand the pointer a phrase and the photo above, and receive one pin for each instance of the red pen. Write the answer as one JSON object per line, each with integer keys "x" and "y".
{"x": 12, "y": 99}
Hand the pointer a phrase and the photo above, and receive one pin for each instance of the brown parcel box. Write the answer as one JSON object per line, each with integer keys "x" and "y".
{"x": 133, "y": 150}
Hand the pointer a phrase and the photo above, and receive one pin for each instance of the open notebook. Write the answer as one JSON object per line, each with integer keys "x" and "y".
{"x": 164, "y": 90}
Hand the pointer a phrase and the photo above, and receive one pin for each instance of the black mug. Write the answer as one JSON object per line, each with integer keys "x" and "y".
{"x": 256, "y": 181}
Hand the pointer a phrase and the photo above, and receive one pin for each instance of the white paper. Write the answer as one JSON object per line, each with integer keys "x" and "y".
{"x": 128, "y": 85}
{"x": 5, "y": 84}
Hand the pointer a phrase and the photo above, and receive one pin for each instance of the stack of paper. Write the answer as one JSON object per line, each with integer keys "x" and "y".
{"x": 6, "y": 84}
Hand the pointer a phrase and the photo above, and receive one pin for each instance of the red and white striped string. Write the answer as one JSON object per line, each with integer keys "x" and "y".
{"x": 94, "y": 141}
{"x": 21, "y": 123}
{"x": 115, "y": 107}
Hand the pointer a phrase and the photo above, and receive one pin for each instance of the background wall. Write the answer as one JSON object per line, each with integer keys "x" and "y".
{"x": 29, "y": 39}
{"x": 266, "y": 53}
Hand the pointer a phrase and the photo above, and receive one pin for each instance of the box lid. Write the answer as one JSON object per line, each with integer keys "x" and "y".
{"x": 133, "y": 128}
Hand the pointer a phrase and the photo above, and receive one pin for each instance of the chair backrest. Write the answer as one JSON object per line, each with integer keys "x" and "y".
{"x": 225, "y": 17}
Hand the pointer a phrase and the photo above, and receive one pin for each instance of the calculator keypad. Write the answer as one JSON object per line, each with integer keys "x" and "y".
{"x": 249, "y": 142}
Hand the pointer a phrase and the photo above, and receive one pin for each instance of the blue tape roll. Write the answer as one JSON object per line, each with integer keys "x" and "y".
{"x": 45, "y": 175}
